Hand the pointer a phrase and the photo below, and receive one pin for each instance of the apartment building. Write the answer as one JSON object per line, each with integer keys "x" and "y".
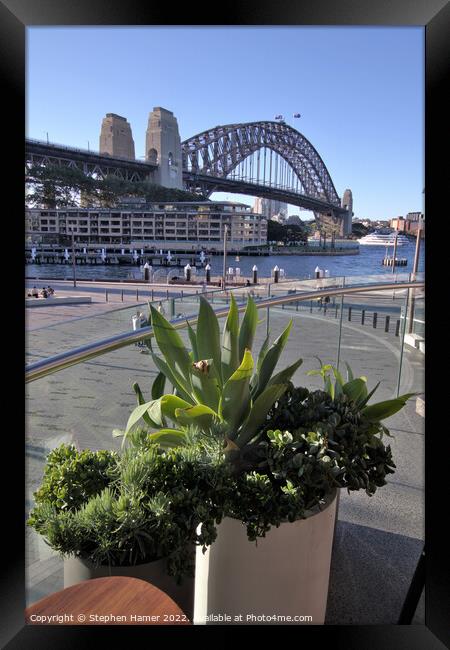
{"x": 160, "y": 225}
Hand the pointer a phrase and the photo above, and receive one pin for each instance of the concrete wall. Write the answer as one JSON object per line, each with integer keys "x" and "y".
{"x": 116, "y": 138}
{"x": 163, "y": 145}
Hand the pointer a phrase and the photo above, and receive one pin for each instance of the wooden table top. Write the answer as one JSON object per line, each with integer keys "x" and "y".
{"x": 115, "y": 600}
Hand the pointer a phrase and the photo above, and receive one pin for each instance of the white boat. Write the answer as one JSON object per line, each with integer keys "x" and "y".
{"x": 378, "y": 239}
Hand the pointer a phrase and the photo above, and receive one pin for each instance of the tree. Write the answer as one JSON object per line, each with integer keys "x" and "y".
{"x": 288, "y": 233}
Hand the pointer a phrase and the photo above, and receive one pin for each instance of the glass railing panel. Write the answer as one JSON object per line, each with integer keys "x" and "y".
{"x": 372, "y": 345}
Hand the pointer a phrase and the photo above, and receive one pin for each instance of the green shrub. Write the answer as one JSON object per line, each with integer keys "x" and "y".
{"x": 155, "y": 504}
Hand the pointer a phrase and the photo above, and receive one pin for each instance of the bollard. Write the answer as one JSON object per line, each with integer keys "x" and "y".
{"x": 122, "y": 295}
{"x": 167, "y": 294}
{"x": 208, "y": 273}
{"x": 397, "y": 328}
{"x": 386, "y": 325}
{"x": 172, "y": 308}
{"x": 106, "y": 295}
{"x": 152, "y": 295}
{"x": 310, "y": 307}
{"x": 181, "y": 295}
{"x": 296, "y": 306}
{"x": 255, "y": 274}
{"x": 137, "y": 295}
{"x": 349, "y": 313}
{"x": 336, "y": 311}
{"x": 363, "y": 316}
{"x": 276, "y": 274}
{"x": 375, "y": 316}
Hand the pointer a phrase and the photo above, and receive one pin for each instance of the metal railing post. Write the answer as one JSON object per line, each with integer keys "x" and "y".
{"x": 340, "y": 333}
{"x": 403, "y": 342}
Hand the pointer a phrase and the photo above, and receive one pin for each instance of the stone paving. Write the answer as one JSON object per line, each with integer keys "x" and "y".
{"x": 378, "y": 540}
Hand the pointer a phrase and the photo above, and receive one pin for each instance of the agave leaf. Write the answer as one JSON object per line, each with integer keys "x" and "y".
{"x": 230, "y": 342}
{"x": 363, "y": 402}
{"x": 158, "y": 385}
{"x": 338, "y": 376}
{"x": 208, "y": 337}
{"x": 258, "y": 413}
{"x": 248, "y": 328}
{"x": 193, "y": 340}
{"x": 175, "y": 378}
{"x": 199, "y": 415}
{"x": 329, "y": 386}
{"x": 337, "y": 389}
{"x": 235, "y": 400}
{"x": 284, "y": 376}
{"x": 153, "y": 409}
{"x": 205, "y": 386}
{"x": 168, "y": 438}
{"x": 349, "y": 373}
{"x": 171, "y": 346}
{"x": 141, "y": 400}
{"x": 170, "y": 403}
{"x": 355, "y": 389}
{"x": 271, "y": 359}
{"x": 263, "y": 352}
{"x": 383, "y": 410}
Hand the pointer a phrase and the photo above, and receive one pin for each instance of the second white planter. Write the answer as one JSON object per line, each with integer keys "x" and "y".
{"x": 281, "y": 579}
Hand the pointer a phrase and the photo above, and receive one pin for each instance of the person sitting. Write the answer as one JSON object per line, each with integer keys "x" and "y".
{"x": 50, "y": 291}
{"x": 44, "y": 293}
{"x": 35, "y": 292}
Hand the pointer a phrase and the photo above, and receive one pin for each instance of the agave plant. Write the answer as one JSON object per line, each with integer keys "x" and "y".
{"x": 217, "y": 386}
{"x": 355, "y": 388}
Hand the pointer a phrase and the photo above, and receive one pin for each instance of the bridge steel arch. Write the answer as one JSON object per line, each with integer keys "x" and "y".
{"x": 218, "y": 151}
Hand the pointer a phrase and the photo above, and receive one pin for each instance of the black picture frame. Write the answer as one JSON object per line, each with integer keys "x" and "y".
{"x": 434, "y": 15}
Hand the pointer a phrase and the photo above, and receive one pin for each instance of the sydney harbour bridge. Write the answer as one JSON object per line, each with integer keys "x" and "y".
{"x": 265, "y": 159}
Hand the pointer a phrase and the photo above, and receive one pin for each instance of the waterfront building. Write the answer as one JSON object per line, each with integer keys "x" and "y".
{"x": 410, "y": 224}
{"x": 173, "y": 225}
{"x": 116, "y": 138}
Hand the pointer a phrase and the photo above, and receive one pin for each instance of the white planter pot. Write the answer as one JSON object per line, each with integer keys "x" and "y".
{"x": 77, "y": 570}
{"x": 285, "y": 574}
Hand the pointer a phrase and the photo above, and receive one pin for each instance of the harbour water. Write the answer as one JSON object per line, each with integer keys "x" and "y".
{"x": 367, "y": 262}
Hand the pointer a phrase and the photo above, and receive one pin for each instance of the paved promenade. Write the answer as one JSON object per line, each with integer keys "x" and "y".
{"x": 378, "y": 539}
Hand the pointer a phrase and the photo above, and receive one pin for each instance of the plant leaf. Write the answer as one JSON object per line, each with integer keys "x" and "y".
{"x": 139, "y": 411}
{"x": 383, "y": 410}
{"x": 349, "y": 373}
{"x": 141, "y": 400}
{"x": 200, "y": 415}
{"x": 258, "y": 413}
{"x": 205, "y": 385}
{"x": 284, "y": 376}
{"x": 175, "y": 379}
{"x": 230, "y": 342}
{"x": 271, "y": 359}
{"x": 208, "y": 337}
{"x": 248, "y": 328}
{"x": 363, "y": 402}
{"x": 355, "y": 389}
{"x": 170, "y": 403}
{"x": 171, "y": 347}
{"x": 168, "y": 438}
{"x": 193, "y": 340}
{"x": 158, "y": 385}
{"x": 235, "y": 400}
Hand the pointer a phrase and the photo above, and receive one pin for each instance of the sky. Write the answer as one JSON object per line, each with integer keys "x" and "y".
{"x": 359, "y": 90}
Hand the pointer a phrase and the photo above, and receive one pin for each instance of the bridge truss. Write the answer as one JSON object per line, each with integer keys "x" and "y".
{"x": 269, "y": 159}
